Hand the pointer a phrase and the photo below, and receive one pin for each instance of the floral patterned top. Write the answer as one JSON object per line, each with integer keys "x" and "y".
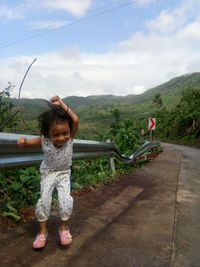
{"x": 56, "y": 159}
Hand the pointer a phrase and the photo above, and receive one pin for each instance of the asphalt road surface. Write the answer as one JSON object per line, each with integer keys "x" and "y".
{"x": 186, "y": 251}
{"x": 150, "y": 217}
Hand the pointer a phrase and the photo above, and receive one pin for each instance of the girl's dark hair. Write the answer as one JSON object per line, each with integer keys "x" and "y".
{"x": 55, "y": 115}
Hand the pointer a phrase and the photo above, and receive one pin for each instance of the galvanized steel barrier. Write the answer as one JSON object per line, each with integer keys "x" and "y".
{"x": 11, "y": 156}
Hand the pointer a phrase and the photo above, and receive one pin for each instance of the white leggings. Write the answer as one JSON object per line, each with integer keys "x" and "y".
{"x": 61, "y": 181}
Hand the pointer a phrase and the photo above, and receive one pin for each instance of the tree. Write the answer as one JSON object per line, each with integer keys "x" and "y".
{"x": 158, "y": 101}
{"x": 184, "y": 120}
{"x": 6, "y": 108}
{"x": 115, "y": 124}
{"x": 188, "y": 113}
{"x": 116, "y": 115}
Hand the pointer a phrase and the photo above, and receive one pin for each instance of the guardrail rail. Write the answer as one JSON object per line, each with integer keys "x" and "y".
{"x": 11, "y": 156}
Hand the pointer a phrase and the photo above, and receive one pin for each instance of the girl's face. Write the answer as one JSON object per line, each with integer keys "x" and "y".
{"x": 59, "y": 134}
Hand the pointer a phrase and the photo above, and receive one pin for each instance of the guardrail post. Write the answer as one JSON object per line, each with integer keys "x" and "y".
{"x": 112, "y": 160}
{"x": 112, "y": 164}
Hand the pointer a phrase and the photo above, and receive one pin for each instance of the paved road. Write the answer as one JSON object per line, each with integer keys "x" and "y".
{"x": 187, "y": 227}
{"x": 146, "y": 218}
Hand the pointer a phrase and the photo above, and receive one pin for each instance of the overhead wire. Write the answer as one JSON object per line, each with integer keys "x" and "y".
{"x": 35, "y": 34}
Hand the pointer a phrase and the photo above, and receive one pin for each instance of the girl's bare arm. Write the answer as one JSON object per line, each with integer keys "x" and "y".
{"x": 56, "y": 100}
{"x": 23, "y": 142}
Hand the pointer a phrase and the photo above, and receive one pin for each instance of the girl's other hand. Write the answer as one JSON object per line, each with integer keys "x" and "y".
{"x": 56, "y": 100}
{"x": 22, "y": 142}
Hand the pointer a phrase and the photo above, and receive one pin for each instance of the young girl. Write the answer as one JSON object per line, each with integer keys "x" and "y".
{"x": 58, "y": 127}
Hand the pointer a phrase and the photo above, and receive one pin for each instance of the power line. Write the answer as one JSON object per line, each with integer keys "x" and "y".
{"x": 40, "y": 30}
{"x": 11, "y": 43}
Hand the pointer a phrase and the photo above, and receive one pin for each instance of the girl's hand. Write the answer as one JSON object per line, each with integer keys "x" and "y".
{"x": 22, "y": 142}
{"x": 56, "y": 100}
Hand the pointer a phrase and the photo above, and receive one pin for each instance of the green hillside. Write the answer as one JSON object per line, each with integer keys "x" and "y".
{"x": 171, "y": 91}
{"x": 96, "y": 112}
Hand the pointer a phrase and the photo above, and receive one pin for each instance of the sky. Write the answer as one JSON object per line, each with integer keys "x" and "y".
{"x": 93, "y": 47}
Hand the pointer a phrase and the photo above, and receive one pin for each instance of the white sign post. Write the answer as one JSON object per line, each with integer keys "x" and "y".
{"x": 152, "y": 126}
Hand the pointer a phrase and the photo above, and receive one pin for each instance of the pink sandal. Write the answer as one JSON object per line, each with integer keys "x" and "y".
{"x": 40, "y": 241}
{"x": 65, "y": 237}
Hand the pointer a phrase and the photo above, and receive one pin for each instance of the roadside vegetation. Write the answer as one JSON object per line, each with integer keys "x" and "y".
{"x": 181, "y": 124}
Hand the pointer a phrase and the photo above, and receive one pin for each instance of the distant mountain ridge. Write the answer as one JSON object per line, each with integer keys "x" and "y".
{"x": 174, "y": 86}
{"x": 170, "y": 92}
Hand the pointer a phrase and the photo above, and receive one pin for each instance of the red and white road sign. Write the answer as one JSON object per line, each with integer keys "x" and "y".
{"x": 152, "y": 124}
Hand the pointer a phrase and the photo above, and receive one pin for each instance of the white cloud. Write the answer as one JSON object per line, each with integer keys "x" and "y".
{"x": 75, "y": 7}
{"x": 143, "y": 2}
{"x": 165, "y": 22}
{"x": 170, "y": 20}
{"x": 9, "y": 13}
{"x": 46, "y": 24}
{"x": 191, "y": 33}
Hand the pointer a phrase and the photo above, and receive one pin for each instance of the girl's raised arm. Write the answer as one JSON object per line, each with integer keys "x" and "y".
{"x": 56, "y": 100}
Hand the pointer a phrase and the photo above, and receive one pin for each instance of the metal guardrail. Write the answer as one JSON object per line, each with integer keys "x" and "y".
{"x": 11, "y": 156}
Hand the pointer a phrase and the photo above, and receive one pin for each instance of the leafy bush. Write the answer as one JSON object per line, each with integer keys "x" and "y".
{"x": 90, "y": 172}
{"x": 125, "y": 135}
{"x": 94, "y": 171}
{"x": 19, "y": 189}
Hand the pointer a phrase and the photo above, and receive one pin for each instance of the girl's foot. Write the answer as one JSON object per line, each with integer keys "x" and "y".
{"x": 40, "y": 241}
{"x": 65, "y": 237}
